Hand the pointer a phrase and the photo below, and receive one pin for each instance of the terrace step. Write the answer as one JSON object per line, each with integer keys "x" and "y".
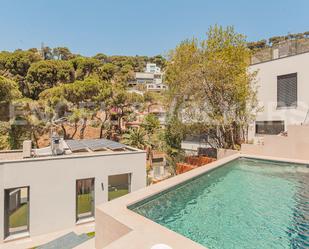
{"x": 67, "y": 241}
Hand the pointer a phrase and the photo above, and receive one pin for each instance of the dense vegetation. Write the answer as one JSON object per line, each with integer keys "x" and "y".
{"x": 211, "y": 90}
{"x": 54, "y": 88}
{"x": 273, "y": 41}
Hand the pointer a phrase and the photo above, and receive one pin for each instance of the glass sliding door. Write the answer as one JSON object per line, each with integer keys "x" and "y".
{"x": 16, "y": 210}
{"x": 118, "y": 185}
{"x": 84, "y": 198}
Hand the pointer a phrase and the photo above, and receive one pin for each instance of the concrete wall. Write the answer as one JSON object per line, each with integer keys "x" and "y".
{"x": 53, "y": 185}
{"x": 222, "y": 153}
{"x": 294, "y": 146}
{"x": 267, "y": 88}
{"x": 110, "y": 233}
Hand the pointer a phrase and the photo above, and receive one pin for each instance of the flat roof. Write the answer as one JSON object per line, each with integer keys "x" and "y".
{"x": 11, "y": 155}
{"x": 90, "y": 149}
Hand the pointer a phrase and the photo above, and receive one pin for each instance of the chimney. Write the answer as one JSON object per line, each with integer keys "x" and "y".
{"x": 56, "y": 145}
{"x": 27, "y": 148}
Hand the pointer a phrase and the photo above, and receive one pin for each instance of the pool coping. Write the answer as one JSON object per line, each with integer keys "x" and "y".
{"x": 119, "y": 227}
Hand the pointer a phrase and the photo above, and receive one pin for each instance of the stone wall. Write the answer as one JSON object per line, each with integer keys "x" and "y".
{"x": 285, "y": 48}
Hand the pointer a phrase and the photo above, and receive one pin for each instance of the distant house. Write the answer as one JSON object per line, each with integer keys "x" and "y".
{"x": 152, "y": 68}
{"x": 57, "y": 187}
{"x": 152, "y": 78}
{"x": 156, "y": 87}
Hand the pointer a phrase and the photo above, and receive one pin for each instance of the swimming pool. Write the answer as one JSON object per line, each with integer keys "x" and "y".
{"x": 244, "y": 204}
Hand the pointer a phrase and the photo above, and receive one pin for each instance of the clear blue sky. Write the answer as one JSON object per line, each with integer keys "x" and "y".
{"x": 131, "y": 27}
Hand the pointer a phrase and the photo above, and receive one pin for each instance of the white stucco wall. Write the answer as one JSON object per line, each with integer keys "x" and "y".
{"x": 53, "y": 185}
{"x": 267, "y": 88}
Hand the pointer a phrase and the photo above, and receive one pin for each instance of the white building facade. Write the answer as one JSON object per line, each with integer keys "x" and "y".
{"x": 283, "y": 93}
{"x": 152, "y": 68}
{"x": 48, "y": 194}
{"x": 152, "y": 77}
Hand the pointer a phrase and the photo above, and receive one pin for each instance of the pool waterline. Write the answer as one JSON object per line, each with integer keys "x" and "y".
{"x": 208, "y": 193}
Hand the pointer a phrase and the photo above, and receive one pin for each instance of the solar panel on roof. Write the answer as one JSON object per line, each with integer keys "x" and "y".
{"x": 116, "y": 145}
{"x": 76, "y": 145}
{"x": 93, "y": 144}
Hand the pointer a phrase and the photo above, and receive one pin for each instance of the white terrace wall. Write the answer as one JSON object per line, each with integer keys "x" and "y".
{"x": 293, "y": 146}
{"x": 222, "y": 153}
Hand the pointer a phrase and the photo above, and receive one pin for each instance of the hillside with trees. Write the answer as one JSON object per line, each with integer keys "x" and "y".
{"x": 76, "y": 95}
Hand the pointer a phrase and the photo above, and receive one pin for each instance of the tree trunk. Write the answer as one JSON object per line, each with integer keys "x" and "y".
{"x": 82, "y": 130}
{"x": 75, "y": 130}
{"x": 101, "y": 130}
{"x": 35, "y": 138}
{"x": 102, "y": 125}
{"x": 64, "y": 131}
{"x": 232, "y": 137}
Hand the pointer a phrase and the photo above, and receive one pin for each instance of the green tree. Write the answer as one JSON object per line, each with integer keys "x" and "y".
{"x": 183, "y": 62}
{"x": 123, "y": 102}
{"x": 84, "y": 67}
{"x": 136, "y": 138}
{"x": 101, "y": 57}
{"x": 27, "y": 123}
{"x": 151, "y": 123}
{"x": 107, "y": 71}
{"x": 159, "y": 60}
{"x": 8, "y": 90}
{"x": 219, "y": 90}
{"x": 47, "y": 74}
{"x": 15, "y": 66}
{"x": 173, "y": 135}
{"x": 62, "y": 53}
{"x": 4, "y": 136}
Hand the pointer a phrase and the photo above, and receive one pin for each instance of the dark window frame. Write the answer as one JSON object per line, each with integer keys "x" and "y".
{"x": 77, "y": 219}
{"x": 5, "y": 211}
{"x": 129, "y": 184}
{"x": 278, "y": 123}
{"x": 281, "y": 104}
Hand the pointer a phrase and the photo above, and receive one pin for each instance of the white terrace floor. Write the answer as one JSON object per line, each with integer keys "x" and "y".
{"x": 35, "y": 241}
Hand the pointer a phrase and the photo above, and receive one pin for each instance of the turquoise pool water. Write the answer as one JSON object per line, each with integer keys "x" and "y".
{"x": 245, "y": 204}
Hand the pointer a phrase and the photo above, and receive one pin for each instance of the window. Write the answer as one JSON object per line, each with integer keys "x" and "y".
{"x": 84, "y": 198}
{"x": 269, "y": 127}
{"x": 287, "y": 90}
{"x": 118, "y": 185}
{"x": 16, "y": 210}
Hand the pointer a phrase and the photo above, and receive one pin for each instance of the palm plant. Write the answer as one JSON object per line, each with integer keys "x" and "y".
{"x": 136, "y": 138}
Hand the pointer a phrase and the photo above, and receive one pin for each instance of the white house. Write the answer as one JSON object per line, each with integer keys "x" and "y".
{"x": 152, "y": 68}
{"x": 283, "y": 92}
{"x": 152, "y": 77}
{"x": 48, "y": 192}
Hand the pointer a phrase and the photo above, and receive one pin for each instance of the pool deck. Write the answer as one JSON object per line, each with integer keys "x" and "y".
{"x": 31, "y": 242}
{"x": 118, "y": 227}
